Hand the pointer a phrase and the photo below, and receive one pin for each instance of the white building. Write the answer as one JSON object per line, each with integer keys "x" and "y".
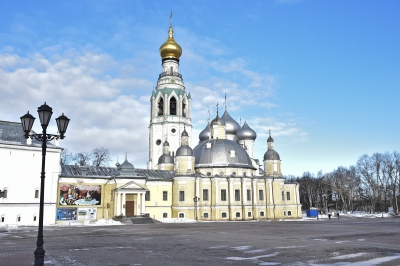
{"x": 20, "y": 167}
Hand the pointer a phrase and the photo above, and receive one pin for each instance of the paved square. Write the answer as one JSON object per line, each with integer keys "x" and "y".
{"x": 348, "y": 241}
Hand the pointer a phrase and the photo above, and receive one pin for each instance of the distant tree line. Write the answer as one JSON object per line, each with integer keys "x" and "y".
{"x": 97, "y": 157}
{"x": 371, "y": 185}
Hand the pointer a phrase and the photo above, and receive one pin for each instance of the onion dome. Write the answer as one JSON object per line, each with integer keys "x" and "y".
{"x": 184, "y": 150}
{"x": 170, "y": 49}
{"x": 270, "y": 139}
{"x": 125, "y": 165}
{"x": 218, "y": 153}
{"x": 232, "y": 126}
{"x": 271, "y": 155}
{"x": 246, "y": 133}
{"x": 166, "y": 158}
{"x": 184, "y": 133}
{"x": 205, "y": 134}
{"x": 166, "y": 144}
{"x": 217, "y": 121}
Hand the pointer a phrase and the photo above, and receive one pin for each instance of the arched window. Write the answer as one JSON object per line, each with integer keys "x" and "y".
{"x": 161, "y": 106}
{"x": 181, "y": 215}
{"x": 184, "y": 111}
{"x": 172, "y": 106}
{"x": 165, "y": 215}
{"x": 237, "y": 214}
{"x": 19, "y": 218}
{"x": 3, "y": 218}
{"x": 205, "y": 215}
{"x": 223, "y": 215}
{"x": 262, "y": 214}
{"x": 34, "y": 218}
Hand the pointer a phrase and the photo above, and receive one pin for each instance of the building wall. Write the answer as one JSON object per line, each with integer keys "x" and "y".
{"x": 20, "y": 175}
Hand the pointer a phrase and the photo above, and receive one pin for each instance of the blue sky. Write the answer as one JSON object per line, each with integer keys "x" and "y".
{"x": 322, "y": 75}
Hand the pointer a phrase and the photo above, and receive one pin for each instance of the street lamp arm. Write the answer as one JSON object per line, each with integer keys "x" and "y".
{"x": 47, "y": 137}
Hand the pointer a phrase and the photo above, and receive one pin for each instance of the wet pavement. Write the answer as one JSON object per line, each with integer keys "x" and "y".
{"x": 350, "y": 241}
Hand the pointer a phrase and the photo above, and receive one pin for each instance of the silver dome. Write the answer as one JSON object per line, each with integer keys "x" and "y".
{"x": 270, "y": 139}
{"x": 166, "y": 144}
{"x": 184, "y": 150}
{"x": 219, "y": 155}
{"x": 165, "y": 158}
{"x": 205, "y": 134}
{"x": 217, "y": 121}
{"x": 271, "y": 155}
{"x": 246, "y": 133}
{"x": 232, "y": 126}
{"x": 184, "y": 133}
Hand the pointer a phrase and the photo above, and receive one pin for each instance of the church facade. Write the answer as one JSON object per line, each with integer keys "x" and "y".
{"x": 217, "y": 179}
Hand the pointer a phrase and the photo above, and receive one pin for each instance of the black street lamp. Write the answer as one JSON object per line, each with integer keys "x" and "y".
{"x": 196, "y": 199}
{"x": 27, "y": 120}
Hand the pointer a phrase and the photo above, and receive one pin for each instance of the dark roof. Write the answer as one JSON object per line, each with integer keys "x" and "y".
{"x": 12, "y": 133}
{"x": 102, "y": 172}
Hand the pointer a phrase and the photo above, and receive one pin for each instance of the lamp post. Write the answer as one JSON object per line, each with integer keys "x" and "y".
{"x": 27, "y": 120}
{"x": 196, "y": 199}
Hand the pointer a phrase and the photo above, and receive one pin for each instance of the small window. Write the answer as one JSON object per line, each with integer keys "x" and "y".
{"x": 181, "y": 195}
{"x": 165, "y": 195}
{"x": 223, "y": 215}
{"x": 284, "y": 213}
{"x": 261, "y": 194}
{"x": 283, "y": 196}
{"x": 244, "y": 174}
{"x": 237, "y": 214}
{"x": 208, "y": 174}
{"x": 205, "y": 194}
{"x": 172, "y": 106}
{"x": 34, "y": 218}
{"x": 181, "y": 215}
{"x": 36, "y": 193}
{"x": 19, "y": 218}
{"x": 3, "y": 218}
{"x": 249, "y": 195}
{"x": 232, "y": 153}
{"x": 147, "y": 196}
{"x": 223, "y": 194}
{"x": 248, "y": 214}
{"x": 288, "y": 196}
{"x": 233, "y": 173}
{"x": 158, "y": 142}
{"x": 289, "y": 213}
{"x": 262, "y": 214}
{"x": 165, "y": 215}
{"x": 205, "y": 215}
{"x": 173, "y": 130}
{"x": 237, "y": 194}
{"x": 4, "y": 193}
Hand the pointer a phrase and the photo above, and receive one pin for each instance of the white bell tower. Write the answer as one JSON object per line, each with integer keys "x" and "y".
{"x": 170, "y": 104}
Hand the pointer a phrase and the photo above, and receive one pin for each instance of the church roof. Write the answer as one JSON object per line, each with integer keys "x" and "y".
{"x": 218, "y": 153}
{"x": 104, "y": 172}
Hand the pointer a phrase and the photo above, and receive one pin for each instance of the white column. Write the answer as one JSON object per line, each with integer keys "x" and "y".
{"x": 295, "y": 194}
{"x": 138, "y": 204}
{"x": 197, "y": 187}
{"x": 254, "y": 192}
{"x": 143, "y": 203}
{"x": 271, "y": 197}
{"x": 231, "y": 195}
{"x": 244, "y": 191}
{"x": 118, "y": 203}
{"x": 216, "y": 191}
{"x": 124, "y": 204}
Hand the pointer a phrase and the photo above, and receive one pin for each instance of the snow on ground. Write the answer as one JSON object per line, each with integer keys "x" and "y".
{"x": 348, "y": 214}
{"x": 176, "y": 220}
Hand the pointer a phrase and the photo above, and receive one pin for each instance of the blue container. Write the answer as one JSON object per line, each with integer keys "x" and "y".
{"x": 312, "y": 213}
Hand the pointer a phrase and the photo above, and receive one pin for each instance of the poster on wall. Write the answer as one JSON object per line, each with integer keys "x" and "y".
{"x": 87, "y": 213}
{"x": 81, "y": 195}
{"x": 64, "y": 214}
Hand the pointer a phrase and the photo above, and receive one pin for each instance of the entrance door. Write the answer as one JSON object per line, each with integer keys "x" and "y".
{"x": 130, "y": 208}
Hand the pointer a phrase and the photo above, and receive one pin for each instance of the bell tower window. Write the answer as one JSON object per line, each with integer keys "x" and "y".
{"x": 161, "y": 106}
{"x": 183, "y": 108}
{"x": 172, "y": 106}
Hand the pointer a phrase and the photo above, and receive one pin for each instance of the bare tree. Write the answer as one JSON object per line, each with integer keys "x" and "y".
{"x": 100, "y": 157}
{"x": 83, "y": 158}
{"x": 66, "y": 157}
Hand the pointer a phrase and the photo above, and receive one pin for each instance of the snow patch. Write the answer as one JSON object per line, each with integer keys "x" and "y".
{"x": 253, "y": 258}
{"x": 176, "y": 220}
{"x": 349, "y": 256}
{"x": 242, "y": 247}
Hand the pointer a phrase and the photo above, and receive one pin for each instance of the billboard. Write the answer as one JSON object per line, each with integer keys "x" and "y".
{"x": 65, "y": 214}
{"x": 80, "y": 195}
{"x": 87, "y": 213}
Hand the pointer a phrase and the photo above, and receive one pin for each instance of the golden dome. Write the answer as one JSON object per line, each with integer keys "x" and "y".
{"x": 170, "y": 49}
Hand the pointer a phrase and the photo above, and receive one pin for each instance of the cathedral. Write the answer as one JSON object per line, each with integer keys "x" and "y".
{"x": 216, "y": 178}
